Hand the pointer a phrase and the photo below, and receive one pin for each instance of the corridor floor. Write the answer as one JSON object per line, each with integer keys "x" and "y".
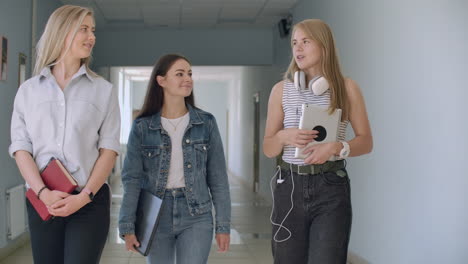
{"x": 250, "y": 234}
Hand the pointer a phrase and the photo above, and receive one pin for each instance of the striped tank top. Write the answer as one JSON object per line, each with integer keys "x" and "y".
{"x": 292, "y": 101}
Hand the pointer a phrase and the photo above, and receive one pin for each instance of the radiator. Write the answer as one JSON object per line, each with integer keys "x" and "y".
{"x": 16, "y": 211}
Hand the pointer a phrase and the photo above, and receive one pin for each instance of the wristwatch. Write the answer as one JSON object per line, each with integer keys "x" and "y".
{"x": 89, "y": 193}
{"x": 344, "y": 153}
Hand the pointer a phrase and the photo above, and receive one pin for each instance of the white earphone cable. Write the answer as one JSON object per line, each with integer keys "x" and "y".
{"x": 281, "y": 225}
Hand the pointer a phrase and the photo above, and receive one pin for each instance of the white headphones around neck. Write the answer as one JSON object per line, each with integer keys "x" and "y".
{"x": 318, "y": 85}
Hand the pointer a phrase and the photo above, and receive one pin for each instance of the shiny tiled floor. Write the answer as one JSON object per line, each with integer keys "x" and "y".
{"x": 250, "y": 236}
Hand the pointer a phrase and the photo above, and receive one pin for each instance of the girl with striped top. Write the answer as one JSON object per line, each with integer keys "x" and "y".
{"x": 312, "y": 213}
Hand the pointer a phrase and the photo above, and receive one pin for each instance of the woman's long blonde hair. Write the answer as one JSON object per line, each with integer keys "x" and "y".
{"x": 63, "y": 20}
{"x": 320, "y": 32}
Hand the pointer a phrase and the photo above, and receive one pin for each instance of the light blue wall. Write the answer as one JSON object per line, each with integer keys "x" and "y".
{"x": 263, "y": 84}
{"x": 43, "y": 10}
{"x": 281, "y": 51}
{"x": 202, "y": 47}
{"x": 15, "y": 25}
{"x": 241, "y": 125}
{"x": 410, "y": 59}
{"x": 212, "y": 96}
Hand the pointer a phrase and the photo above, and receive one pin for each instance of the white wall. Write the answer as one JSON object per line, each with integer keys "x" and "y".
{"x": 409, "y": 195}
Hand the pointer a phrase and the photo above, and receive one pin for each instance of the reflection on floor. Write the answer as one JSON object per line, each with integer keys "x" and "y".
{"x": 250, "y": 234}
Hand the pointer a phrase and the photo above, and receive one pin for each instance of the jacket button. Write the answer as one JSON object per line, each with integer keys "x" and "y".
{"x": 187, "y": 141}
{"x": 189, "y": 166}
{"x": 204, "y": 147}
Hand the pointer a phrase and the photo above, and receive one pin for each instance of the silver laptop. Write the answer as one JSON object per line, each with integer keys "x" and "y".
{"x": 317, "y": 118}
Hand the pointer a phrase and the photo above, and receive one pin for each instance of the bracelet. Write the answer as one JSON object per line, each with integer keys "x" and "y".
{"x": 39, "y": 192}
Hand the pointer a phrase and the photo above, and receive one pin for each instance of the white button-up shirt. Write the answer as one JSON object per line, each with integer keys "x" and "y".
{"x": 70, "y": 125}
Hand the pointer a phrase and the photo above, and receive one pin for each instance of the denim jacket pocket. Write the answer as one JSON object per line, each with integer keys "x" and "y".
{"x": 201, "y": 155}
{"x": 151, "y": 158}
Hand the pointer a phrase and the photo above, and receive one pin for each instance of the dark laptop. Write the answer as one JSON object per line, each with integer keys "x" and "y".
{"x": 146, "y": 220}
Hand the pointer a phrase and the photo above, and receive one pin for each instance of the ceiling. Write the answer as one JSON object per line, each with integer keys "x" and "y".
{"x": 186, "y": 14}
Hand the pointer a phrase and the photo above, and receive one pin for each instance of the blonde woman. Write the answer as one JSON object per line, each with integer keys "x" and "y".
{"x": 312, "y": 207}
{"x": 68, "y": 112}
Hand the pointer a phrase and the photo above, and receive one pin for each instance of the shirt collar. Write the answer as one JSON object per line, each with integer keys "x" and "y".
{"x": 46, "y": 73}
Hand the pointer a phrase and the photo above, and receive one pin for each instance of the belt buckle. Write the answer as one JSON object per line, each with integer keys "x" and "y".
{"x": 313, "y": 169}
{"x": 299, "y": 170}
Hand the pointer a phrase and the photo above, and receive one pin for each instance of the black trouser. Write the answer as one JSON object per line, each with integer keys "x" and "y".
{"x": 320, "y": 221}
{"x": 78, "y": 238}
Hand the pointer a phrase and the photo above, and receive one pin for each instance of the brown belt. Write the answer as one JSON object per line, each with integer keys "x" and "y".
{"x": 314, "y": 169}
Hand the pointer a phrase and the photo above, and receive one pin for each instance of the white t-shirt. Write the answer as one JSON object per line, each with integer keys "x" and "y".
{"x": 176, "y": 128}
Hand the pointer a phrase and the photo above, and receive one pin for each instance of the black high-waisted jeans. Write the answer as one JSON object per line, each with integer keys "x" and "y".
{"x": 76, "y": 239}
{"x": 320, "y": 221}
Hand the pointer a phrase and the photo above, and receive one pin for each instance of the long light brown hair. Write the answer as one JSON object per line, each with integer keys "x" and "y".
{"x": 320, "y": 32}
{"x": 63, "y": 20}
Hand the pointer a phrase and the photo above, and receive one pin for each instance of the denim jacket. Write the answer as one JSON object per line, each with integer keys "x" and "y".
{"x": 147, "y": 162}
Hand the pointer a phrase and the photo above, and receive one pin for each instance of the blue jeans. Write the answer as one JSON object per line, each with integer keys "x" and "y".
{"x": 181, "y": 236}
{"x": 320, "y": 222}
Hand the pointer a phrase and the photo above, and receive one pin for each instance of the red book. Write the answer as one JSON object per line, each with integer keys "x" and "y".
{"x": 55, "y": 177}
